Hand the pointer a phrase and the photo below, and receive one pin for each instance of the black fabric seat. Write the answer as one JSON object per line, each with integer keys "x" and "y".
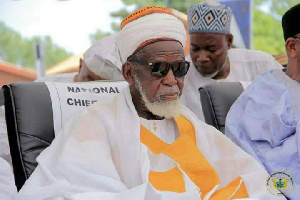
{"x": 29, "y": 119}
{"x": 216, "y": 100}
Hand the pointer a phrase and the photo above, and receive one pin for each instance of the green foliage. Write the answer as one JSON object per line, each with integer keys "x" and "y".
{"x": 267, "y": 30}
{"x": 54, "y": 53}
{"x": 16, "y": 49}
{"x": 267, "y": 33}
{"x": 278, "y": 7}
{"x": 181, "y": 5}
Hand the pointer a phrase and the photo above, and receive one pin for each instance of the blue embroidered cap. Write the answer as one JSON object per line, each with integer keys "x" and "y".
{"x": 207, "y": 18}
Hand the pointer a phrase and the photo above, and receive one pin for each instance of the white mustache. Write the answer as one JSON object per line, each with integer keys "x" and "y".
{"x": 167, "y": 90}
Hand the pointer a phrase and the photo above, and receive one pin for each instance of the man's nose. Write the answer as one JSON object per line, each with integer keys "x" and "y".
{"x": 202, "y": 57}
{"x": 169, "y": 79}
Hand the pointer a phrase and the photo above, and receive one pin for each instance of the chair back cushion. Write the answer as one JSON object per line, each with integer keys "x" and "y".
{"x": 29, "y": 120}
{"x": 216, "y": 100}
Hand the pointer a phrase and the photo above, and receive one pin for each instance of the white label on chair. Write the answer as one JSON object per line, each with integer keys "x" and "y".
{"x": 70, "y": 99}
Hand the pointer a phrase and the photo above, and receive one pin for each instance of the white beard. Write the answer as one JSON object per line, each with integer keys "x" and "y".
{"x": 160, "y": 107}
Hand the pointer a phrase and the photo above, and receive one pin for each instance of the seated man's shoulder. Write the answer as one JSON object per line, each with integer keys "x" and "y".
{"x": 263, "y": 88}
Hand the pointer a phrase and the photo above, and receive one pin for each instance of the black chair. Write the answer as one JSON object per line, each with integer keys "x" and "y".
{"x": 216, "y": 100}
{"x": 28, "y": 135}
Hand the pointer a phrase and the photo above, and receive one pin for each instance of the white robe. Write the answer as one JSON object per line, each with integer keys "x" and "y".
{"x": 7, "y": 184}
{"x": 4, "y": 146}
{"x": 98, "y": 155}
{"x": 245, "y": 65}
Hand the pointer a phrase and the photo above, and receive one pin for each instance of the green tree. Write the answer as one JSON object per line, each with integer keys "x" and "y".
{"x": 54, "y": 54}
{"x": 278, "y": 7}
{"x": 16, "y": 49}
{"x": 10, "y": 44}
{"x": 180, "y": 5}
{"x": 267, "y": 31}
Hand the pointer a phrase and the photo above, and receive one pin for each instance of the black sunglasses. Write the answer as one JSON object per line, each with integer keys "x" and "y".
{"x": 161, "y": 69}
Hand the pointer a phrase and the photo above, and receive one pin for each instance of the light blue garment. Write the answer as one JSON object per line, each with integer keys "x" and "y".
{"x": 264, "y": 121}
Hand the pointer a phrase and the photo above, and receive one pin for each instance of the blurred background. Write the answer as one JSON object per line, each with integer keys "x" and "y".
{"x": 46, "y": 37}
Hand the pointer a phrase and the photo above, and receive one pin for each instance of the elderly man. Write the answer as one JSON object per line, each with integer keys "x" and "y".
{"x": 144, "y": 144}
{"x": 100, "y": 62}
{"x": 211, "y": 56}
{"x": 264, "y": 121}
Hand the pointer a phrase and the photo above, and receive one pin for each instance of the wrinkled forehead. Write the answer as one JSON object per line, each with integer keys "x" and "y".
{"x": 170, "y": 48}
{"x": 207, "y": 38}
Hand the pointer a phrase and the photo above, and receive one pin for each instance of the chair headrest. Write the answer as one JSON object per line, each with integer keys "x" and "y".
{"x": 69, "y": 99}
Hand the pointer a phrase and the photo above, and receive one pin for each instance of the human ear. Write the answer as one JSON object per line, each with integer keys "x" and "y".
{"x": 229, "y": 40}
{"x": 127, "y": 69}
{"x": 290, "y": 47}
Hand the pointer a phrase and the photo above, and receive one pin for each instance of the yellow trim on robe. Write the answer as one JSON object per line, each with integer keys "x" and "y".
{"x": 171, "y": 180}
{"x": 186, "y": 153}
{"x": 231, "y": 188}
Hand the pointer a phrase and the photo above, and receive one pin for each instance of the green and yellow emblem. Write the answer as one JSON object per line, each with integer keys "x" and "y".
{"x": 280, "y": 182}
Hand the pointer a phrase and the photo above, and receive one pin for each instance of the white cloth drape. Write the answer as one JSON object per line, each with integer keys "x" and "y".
{"x": 98, "y": 156}
{"x": 7, "y": 184}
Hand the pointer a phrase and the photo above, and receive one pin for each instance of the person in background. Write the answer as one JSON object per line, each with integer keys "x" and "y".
{"x": 212, "y": 57}
{"x": 264, "y": 121}
{"x": 101, "y": 61}
{"x": 144, "y": 144}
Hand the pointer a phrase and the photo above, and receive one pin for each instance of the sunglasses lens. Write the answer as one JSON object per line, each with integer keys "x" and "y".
{"x": 160, "y": 69}
{"x": 180, "y": 69}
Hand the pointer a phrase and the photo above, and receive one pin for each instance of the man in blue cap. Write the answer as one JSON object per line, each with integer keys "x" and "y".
{"x": 212, "y": 56}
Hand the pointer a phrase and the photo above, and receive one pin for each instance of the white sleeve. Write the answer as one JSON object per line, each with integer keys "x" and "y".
{"x": 8, "y": 189}
{"x": 78, "y": 165}
{"x": 4, "y": 145}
